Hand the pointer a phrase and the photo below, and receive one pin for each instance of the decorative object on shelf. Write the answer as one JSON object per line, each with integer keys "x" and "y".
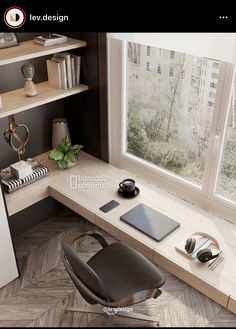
{"x": 12, "y": 136}
{"x": 50, "y": 39}
{"x": 65, "y": 154}
{"x": 59, "y": 130}
{"x": 28, "y": 73}
{"x": 8, "y": 40}
{"x": 17, "y": 136}
{"x": 11, "y": 183}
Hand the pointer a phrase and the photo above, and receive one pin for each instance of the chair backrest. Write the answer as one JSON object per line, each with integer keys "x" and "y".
{"x": 84, "y": 273}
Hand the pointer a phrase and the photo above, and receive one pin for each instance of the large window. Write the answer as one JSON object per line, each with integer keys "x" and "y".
{"x": 173, "y": 119}
{"x": 169, "y": 119}
{"x": 226, "y": 186}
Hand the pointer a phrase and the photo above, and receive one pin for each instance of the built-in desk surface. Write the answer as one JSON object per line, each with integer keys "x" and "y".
{"x": 92, "y": 183}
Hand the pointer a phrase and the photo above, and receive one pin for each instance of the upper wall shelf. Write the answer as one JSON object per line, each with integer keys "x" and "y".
{"x": 15, "y": 101}
{"x": 28, "y": 49}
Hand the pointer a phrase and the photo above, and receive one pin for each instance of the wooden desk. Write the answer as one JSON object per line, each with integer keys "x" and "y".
{"x": 232, "y": 304}
{"x": 88, "y": 196}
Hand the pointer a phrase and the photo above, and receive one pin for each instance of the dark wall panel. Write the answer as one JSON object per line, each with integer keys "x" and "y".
{"x": 82, "y": 111}
{"x": 103, "y": 101}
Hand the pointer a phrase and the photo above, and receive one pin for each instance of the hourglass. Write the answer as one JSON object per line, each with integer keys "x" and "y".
{"x": 28, "y": 73}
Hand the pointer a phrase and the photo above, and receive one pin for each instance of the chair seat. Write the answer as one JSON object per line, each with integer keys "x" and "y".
{"x": 123, "y": 271}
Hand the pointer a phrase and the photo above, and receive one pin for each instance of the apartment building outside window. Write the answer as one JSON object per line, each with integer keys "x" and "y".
{"x": 172, "y": 54}
{"x": 214, "y": 75}
{"x": 171, "y": 72}
{"x": 212, "y": 84}
{"x": 215, "y": 65}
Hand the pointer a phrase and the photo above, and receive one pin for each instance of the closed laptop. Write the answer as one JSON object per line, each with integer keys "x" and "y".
{"x": 150, "y": 221}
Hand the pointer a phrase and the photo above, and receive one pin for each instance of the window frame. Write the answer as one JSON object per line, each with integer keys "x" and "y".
{"x": 204, "y": 197}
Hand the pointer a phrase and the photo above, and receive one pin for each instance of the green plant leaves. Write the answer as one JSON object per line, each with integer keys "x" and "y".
{"x": 64, "y": 145}
{"x": 55, "y": 154}
{"x": 62, "y": 164}
{"x": 65, "y": 153}
{"x": 70, "y": 156}
{"x": 76, "y": 148}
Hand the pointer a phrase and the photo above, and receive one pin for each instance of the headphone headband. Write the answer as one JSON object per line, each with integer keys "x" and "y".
{"x": 206, "y": 235}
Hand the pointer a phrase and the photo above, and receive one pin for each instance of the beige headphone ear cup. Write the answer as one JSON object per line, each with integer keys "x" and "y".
{"x": 190, "y": 245}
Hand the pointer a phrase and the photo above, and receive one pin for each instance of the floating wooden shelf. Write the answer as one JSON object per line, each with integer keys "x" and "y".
{"x": 29, "y": 49}
{"x": 16, "y": 101}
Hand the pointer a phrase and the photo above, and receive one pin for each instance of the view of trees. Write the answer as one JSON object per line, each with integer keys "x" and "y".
{"x": 169, "y": 109}
{"x": 170, "y": 106}
{"x": 227, "y": 179}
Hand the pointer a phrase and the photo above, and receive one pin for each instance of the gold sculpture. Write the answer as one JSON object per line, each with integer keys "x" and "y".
{"x": 12, "y": 136}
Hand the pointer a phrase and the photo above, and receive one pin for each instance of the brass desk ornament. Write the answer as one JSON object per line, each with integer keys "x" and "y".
{"x": 13, "y": 137}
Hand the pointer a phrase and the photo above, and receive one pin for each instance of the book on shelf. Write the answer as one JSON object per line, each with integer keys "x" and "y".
{"x": 11, "y": 183}
{"x": 72, "y": 59}
{"x": 54, "y": 74}
{"x": 64, "y": 70}
{"x": 51, "y": 39}
{"x": 77, "y": 69}
{"x": 67, "y": 57}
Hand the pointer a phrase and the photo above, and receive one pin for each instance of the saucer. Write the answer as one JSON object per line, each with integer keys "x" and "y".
{"x": 132, "y": 194}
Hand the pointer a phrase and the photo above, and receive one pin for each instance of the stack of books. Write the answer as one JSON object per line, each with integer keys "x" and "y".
{"x": 11, "y": 183}
{"x": 64, "y": 70}
{"x": 51, "y": 39}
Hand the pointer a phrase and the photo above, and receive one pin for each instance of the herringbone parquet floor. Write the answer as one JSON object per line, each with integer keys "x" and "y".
{"x": 39, "y": 297}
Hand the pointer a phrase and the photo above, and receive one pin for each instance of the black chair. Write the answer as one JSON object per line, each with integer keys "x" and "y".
{"x": 117, "y": 276}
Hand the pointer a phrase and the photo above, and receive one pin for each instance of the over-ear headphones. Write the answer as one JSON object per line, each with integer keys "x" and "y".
{"x": 203, "y": 255}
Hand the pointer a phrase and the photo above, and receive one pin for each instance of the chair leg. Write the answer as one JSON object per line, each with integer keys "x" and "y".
{"x": 87, "y": 309}
{"x": 99, "y": 310}
{"x": 138, "y": 316}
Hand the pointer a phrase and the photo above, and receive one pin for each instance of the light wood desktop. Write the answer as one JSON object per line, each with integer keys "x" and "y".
{"x": 87, "y": 199}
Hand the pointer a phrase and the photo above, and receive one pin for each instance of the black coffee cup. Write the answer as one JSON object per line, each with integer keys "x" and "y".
{"x": 127, "y": 185}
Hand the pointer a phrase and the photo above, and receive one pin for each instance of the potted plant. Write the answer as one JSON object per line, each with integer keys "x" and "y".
{"x": 65, "y": 154}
